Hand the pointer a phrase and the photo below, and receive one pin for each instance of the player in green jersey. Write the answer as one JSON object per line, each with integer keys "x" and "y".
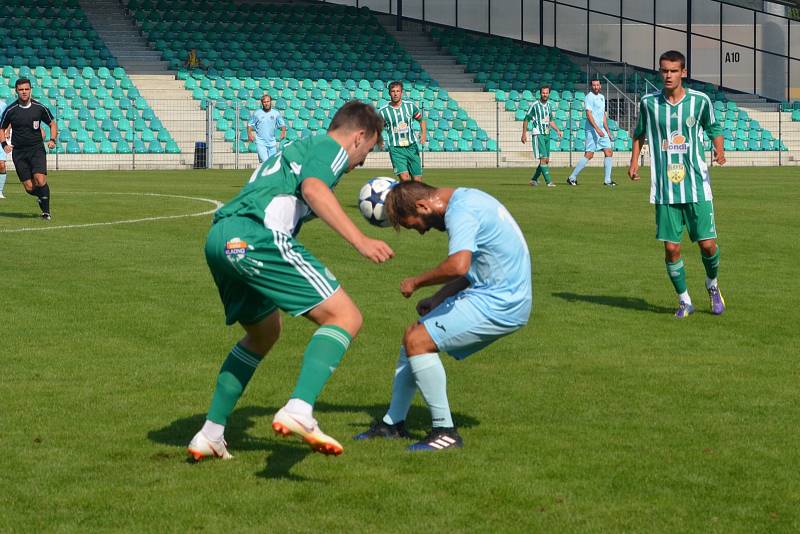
{"x": 404, "y": 148}
{"x": 260, "y": 269}
{"x": 542, "y": 116}
{"x": 673, "y": 122}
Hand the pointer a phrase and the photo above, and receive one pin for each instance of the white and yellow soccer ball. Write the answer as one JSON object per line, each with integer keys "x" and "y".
{"x": 371, "y": 200}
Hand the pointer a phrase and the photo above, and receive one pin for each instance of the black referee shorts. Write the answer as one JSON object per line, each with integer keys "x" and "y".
{"x": 29, "y": 161}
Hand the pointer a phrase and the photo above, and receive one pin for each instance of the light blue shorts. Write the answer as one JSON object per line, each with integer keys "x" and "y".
{"x": 3, "y": 154}
{"x": 459, "y": 328}
{"x": 265, "y": 152}
{"x": 595, "y": 143}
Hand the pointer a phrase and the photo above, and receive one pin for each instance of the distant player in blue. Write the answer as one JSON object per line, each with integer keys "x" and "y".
{"x": 3, "y": 175}
{"x": 261, "y": 129}
{"x": 598, "y": 135}
{"x": 487, "y": 294}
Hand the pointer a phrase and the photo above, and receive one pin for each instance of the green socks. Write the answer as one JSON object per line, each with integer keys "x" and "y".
{"x": 537, "y": 173}
{"x": 677, "y": 275}
{"x": 321, "y": 358}
{"x": 546, "y": 173}
{"x": 236, "y": 372}
{"x": 711, "y": 263}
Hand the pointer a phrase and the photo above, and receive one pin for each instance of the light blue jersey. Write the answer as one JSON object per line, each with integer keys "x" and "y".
{"x": 265, "y": 123}
{"x": 596, "y": 103}
{"x": 499, "y": 298}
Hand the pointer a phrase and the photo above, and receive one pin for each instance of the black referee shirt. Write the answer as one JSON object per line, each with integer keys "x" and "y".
{"x": 26, "y": 123}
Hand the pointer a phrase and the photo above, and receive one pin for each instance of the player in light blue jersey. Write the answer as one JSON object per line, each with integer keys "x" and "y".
{"x": 261, "y": 129}
{"x": 487, "y": 294}
{"x": 598, "y": 136}
{"x": 3, "y": 175}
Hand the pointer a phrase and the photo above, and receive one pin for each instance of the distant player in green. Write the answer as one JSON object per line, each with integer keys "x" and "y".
{"x": 673, "y": 121}
{"x": 541, "y": 114}
{"x": 404, "y": 147}
{"x": 261, "y": 269}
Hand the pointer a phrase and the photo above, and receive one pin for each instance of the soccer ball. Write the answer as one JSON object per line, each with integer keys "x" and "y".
{"x": 371, "y": 199}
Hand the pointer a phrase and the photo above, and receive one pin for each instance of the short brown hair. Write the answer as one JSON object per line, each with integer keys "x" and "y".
{"x": 357, "y": 115}
{"x": 22, "y": 81}
{"x": 396, "y": 84}
{"x": 401, "y": 201}
{"x": 544, "y": 86}
{"x": 673, "y": 55}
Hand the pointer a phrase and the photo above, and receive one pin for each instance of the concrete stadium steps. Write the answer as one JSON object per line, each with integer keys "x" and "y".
{"x": 122, "y": 37}
{"x": 441, "y": 66}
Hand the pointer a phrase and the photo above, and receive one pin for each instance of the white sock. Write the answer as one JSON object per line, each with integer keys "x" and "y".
{"x": 711, "y": 282}
{"x": 299, "y": 406}
{"x": 684, "y": 297}
{"x": 213, "y": 431}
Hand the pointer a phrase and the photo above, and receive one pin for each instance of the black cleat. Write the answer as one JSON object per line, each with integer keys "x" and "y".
{"x": 439, "y": 438}
{"x": 379, "y": 429}
{"x": 612, "y": 183}
{"x": 572, "y": 182}
{"x": 46, "y": 216}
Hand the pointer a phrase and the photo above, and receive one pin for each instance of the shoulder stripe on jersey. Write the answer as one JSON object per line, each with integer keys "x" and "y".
{"x": 338, "y": 161}
{"x": 8, "y": 110}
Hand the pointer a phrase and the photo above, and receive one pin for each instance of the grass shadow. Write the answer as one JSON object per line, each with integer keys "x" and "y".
{"x": 18, "y": 215}
{"x": 283, "y": 455}
{"x": 630, "y": 303}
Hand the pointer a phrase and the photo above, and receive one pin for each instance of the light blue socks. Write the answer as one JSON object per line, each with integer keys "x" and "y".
{"x": 578, "y": 168}
{"x": 403, "y": 390}
{"x": 2, "y": 181}
{"x": 432, "y": 382}
{"x": 607, "y": 168}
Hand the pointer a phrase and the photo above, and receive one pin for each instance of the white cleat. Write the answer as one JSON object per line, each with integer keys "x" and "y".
{"x": 286, "y": 424}
{"x": 202, "y": 447}
{"x": 2, "y": 195}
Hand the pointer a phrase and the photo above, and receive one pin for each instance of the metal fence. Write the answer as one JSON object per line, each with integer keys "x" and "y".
{"x": 185, "y": 133}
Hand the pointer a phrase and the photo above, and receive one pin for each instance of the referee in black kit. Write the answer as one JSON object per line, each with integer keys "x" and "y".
{"x": 25, "y": 117}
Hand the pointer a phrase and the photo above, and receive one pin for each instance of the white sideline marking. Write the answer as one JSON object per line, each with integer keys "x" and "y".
{"x": 217, "y": 204}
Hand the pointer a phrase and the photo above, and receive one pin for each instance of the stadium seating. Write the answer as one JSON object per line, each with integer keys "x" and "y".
{"x": 510, "y": 70}
{"x": 265, "y": 48}
{"x": 73, "y": 73}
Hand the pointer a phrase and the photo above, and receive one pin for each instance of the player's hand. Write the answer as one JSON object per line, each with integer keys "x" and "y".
{"x": 408, "y": 286}
{"x": 9, "y": 147}
{"x": 251, "y": 138}
{"x": 633, "y": 171}
{"x": 51, "y": 144}
{"x": 425, "y": 305}
{"x": 719, "y": 157}
{"x": 375, "y": 250}
{"x": 560, "y": 134}
{"x": 600, "y": 132}
{"x": 524, "y": 139}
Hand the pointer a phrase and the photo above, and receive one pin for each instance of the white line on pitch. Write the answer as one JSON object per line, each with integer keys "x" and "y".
{"x": 217, "y": 204}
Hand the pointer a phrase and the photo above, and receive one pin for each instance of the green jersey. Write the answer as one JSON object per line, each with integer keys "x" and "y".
{"x": 273, "y": 196}
{"x": 397, "y": 122}
{"x": 541, "y": 114}
{"x": 678, "y": 171}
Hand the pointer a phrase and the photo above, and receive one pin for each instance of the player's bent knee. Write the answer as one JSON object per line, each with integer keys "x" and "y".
{"x": 338, "y": 310}
{"x": 588, "y": 155}
{"x": 417, "y": 340}
{"x": 260, "y": 337}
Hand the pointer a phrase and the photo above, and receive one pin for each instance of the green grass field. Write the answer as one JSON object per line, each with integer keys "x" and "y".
{"x": 604, "y": 414}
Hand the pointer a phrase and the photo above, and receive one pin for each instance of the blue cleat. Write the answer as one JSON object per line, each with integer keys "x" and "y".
{"x": 379, "y": 429}
{"x": 684, "y": 310}
{"x": 717, "y": 302}
{"x": 438, "y": 439}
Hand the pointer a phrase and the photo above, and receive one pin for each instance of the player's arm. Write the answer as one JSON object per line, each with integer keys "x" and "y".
{"x": 5, "y": 125}
{"x": 605, "y": 123}
{"x": 324, "y": 204}
{"x": 251, "y": 134}
{"x": 454, "y": 266}
{"x": 447, "y": 290}
{"x": 597, "y": 129}
{"x": 554, "y": 126}
{"x": 423, "y": 127}
{"x": 525, "y": 123}
{"x": 638, "y": 141}
{"x": 710, "y": 124}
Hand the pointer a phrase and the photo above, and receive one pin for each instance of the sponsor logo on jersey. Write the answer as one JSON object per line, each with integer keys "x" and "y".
{"x": 236, "y": 247}
{"x": 676, "y": 144}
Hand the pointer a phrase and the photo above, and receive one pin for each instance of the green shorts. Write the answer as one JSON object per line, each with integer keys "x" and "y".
{"x": 406, "y": 159}
{"x": 698, "y": 217}
{"x": 258, "y": 270}
{"x": 541, "y": 146}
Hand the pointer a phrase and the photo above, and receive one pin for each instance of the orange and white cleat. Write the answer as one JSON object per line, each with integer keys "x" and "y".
{"x": 285, "y": 424}
{"x": 201, "y": 447}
